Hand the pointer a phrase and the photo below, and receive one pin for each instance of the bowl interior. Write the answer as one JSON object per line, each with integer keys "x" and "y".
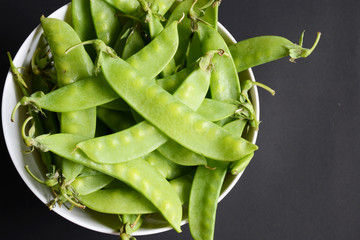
{"x": 104, "y": 223}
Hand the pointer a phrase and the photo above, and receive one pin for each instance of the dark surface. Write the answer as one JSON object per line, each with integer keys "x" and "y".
{"x": 304, "y": 180}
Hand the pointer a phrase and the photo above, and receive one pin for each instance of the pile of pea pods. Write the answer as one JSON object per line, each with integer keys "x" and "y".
{"x": 136, "y": 109}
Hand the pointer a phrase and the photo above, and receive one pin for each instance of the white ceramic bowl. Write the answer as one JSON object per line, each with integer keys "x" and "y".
{"x": 95, "y": 221}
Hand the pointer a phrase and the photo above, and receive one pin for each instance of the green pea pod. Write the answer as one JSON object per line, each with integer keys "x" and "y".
{"x": 117, "y": 201}
{"x": 224, "y": 79}
{"x": 166, "y": 111}
{"x": 107, "y": 25}
{"x": 69, "y": 68}
{"x": 259, "y": 50}
{"x": 138, "y": 174}
{"x": 84, "y": 185}
{"x": 72, "y": 66}
{"x": 129, "y": 144}
{"x": 205, "y": 189}
{"x": 82, "y": 19}
{"x": 133, "y": 44}
{"x": 181, "y": 155}
{"x": 214, "y": 110}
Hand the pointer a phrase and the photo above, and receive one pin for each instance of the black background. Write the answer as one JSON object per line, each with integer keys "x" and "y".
{"x": 304, "y": 180}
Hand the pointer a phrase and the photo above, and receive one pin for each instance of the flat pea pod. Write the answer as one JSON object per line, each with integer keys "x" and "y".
{"x": 82, "y": 19}
{"x": 60, "y": 36}
{"x": 138, "y": 174}
{"x": 259, "y": 50}
{"x": 117, "y": 201}
{"x": 180, "y": 155}
{"x": 165, "y": 111}
{"x": 107, "y": 25}
{"x": 69, "y": 68}
{"x": 205, "y": 189}
{"x": 84, "y": 185}
{"x": 215, "y": 110}
{"x": 129, "y": 144}
{"x": 224, "y": 79}
{"x": 184, "y": 29}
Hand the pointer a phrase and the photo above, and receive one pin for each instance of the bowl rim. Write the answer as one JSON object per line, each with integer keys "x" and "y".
{"x": 14, "y": 146}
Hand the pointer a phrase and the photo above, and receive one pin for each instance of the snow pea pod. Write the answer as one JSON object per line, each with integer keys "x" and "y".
{"x": 259, "y": 50}
{"x": 224, "y": 79}
{"x": 69, "y": 68}
{"x": 181, "y": 155}
{"x": 106, "y": 23}
{"x": 133, "y": 44}
{"x": 166, "y": 111}
{"x": 118, "y": 201}
{"x": 84, "y": 185}
{"x": 82, "y": 19}
{"x": 129, "y": 144}
{"x": 138, "y": 174}
{"x": 204, "y": 197}
{"x": 215, "y": 110}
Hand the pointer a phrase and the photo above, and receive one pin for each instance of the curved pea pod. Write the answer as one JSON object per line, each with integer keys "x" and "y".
{"x": 117, "y": 201}
{"x": 84, "y": 185}
{"x": 73, "y": 97}
{"x": 215, "y": 110}
{"x": 138, "y": 174}
{"x": 184, "y": 29}
{"x": 224, "y": 83}
{"x": 72, "y": 66}
{"x": 181, "y": 155}
{"x": 163, "y": 47}
{"x": 129, "y": 144}
{"x": 171, "y": 116}
{"x": 205, "y": 189}
{"x": 259, "y": 50}
{"x": 240, "y": 165}
{"x": 106, "y": 23}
